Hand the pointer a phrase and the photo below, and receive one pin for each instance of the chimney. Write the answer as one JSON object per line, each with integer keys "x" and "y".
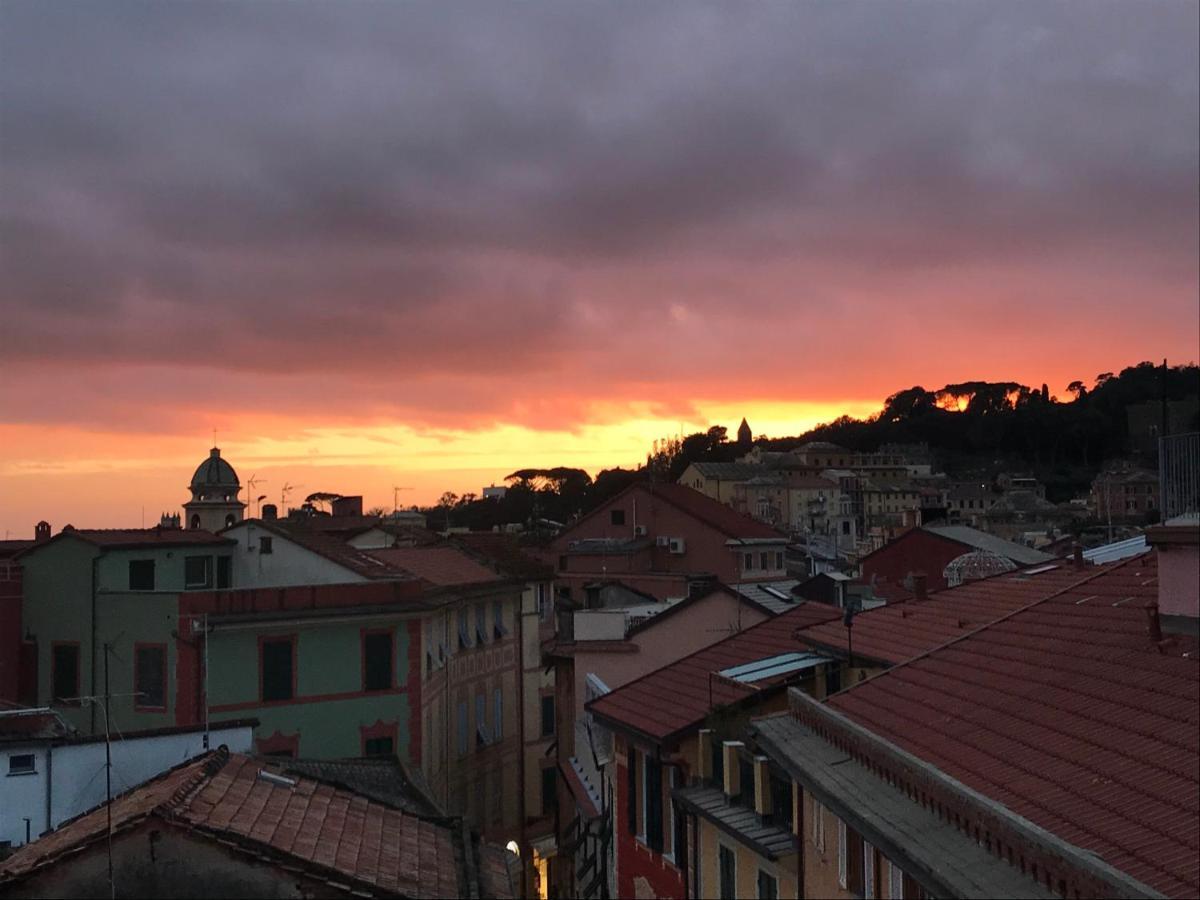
{"x": 270, "y": 512}
{"x": 762, "y": 787}
{"x": 919, "y": 582}
{"x": 706, "y": 751}
{"x": 347, "y": 506}
{"x": 1177, "y": 544}
{"x": 733, "y": 772}
{"x": 41, "y": 531}
{"x": 1153, "y": 624}
{"x": 1077, "y": 555}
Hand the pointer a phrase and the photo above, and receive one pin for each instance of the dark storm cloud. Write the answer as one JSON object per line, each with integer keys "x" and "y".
{"x": 505, "y": 189}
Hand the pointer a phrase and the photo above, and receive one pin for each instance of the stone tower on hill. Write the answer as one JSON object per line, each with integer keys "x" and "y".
{"x": 744, "y": 437}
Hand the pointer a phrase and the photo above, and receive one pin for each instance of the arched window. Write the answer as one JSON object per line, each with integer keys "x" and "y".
{"x": 229, "y": 520}
{"x": 195, "y": 523}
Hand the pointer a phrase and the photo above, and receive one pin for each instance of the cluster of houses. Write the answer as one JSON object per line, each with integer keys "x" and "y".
{"x": 670, "y": 699}
{"x": 842, "y": 504}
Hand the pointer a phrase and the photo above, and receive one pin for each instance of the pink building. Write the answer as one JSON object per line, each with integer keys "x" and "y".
{"x": 668, "y": 541}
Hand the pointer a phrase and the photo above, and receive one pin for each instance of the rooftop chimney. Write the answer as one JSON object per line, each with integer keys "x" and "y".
{"x": 1153, "y": 624}
{"x": 1077, "y": 555}
{"x": 347, "y": 506}
{"x": 919, "y": 583}
{"x": 41, "y": 531}
{"x": 270, "y": 511}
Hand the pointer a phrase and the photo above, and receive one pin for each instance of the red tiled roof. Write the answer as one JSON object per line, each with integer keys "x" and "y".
{"x": 899, "y": 631}
{"x": 332, "y": 834}
{"x": 677, "y": 697}
{"x": 441, "y": 566}
{"x": 331, "y": 547}
{"x": 134, "y": 537}
{"x": 506, "y": 553}
{"x": 721, "y": 517}
{"x": 1070, "y": 716}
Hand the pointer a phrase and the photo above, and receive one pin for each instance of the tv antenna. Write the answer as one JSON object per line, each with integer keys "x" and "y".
{"x": 253, "y": 482}
{"x": 283, "y": 495}
{"x": 396, "y": 498}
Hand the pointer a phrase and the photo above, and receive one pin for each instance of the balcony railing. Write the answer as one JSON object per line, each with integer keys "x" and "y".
{"x": 1179, "y": 476}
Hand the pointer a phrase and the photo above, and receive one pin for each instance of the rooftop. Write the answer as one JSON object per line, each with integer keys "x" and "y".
{"x": 980, "y": 540}
{"x": 342, "y": 839}
{"x": 119, "y": 538}
{"x": 442, "y": 566}
{"x": 333, "y": 548}
{"x": 679, "y": 696}
{"x": 1068, "y": 714}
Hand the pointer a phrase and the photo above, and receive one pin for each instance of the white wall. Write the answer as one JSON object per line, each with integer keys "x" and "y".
{"x": 287, "y": 564}
{"x": 77, "y": 773}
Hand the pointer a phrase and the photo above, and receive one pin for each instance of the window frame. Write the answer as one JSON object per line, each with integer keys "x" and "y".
{"x": 224, "y": 573}
{"x": 55, "y": 697}
{"x": 549, "y": 797}
{"x": 764, "y": 875}
{"x": 462, "y": 745}
{"x": 553, "y": 715}
{"x": 498, "y": 714}
{"x": 263, "y": 640}
{"x": 266, "y": 544}
{"x": 153, "y": 575}
{"x": 365, "y": 635}
{"x": 206, "y": 582}
{"x": 139, "y": 703}
{"x": 616, "y": 517}
{"x": 14, "y": 771}
{"x": 724, "y": 852}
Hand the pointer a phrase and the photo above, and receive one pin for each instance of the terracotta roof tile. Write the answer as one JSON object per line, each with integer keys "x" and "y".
{"x": 1068, "y": 714}
{"x": 678, "y": 696}
{"x": 338, "y": 835}
{"x": 442, "y": 566}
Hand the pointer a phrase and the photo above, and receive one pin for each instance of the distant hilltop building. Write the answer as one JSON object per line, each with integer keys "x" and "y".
{"x": 215, "y": 488}
{"x": 744, "y": 436}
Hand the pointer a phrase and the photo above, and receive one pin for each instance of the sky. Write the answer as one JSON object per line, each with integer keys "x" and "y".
{"x": 380, "y": 246}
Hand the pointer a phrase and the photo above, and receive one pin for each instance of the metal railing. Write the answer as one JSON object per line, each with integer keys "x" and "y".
{"x": 1179, "y": 476}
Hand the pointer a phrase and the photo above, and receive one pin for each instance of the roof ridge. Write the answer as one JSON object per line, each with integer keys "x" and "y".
{"x": 1101, "y": 570}
{"x": 210, "y": 767}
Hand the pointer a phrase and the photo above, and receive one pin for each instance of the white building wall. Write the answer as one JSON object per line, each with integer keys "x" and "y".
{"x": 287, "y": 565}
{"x": 75, "y": 774}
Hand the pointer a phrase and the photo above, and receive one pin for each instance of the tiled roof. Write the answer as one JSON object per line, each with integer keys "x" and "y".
{"x": 677, "y": 697}
{"x": 899, "y": 631}
{"x": 505, "y": 553}
{"x": 13, "y": 547}
{"x": 441, "y": 566}
{"x": 115, "y": 538}
{"x": 981, "y": 540}
{"x": 20, "y": 725}
{"x": 332, "y": 548}
{"x": 343, "y": 839}
{"x": 729, "y": 471}
{"x": 721, "y": 517}
{"x": 385, "y": 779}
{"x": 1069, "y": 715}
{"x": 764, "y": 594}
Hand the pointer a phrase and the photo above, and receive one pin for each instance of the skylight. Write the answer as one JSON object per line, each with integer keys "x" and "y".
{"x": 773, "y": 666}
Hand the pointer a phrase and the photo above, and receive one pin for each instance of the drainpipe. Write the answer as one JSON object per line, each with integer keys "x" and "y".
{"x": 49, "y": 786}
{"x": 526, "y": 853}
{"x": 92, "y": 691}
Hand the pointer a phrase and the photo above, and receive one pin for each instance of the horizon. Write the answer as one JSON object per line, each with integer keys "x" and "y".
{"x": 411, "y": 245}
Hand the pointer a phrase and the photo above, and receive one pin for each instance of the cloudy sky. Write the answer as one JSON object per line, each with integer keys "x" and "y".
{"x": 379, "y": 244}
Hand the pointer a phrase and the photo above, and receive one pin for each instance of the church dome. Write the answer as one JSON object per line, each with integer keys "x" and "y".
{"x": 213, "y": 473}
{"x": 975, "y": 565}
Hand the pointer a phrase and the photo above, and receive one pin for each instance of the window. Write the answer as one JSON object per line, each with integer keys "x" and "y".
{"x": 745, "y": 795}
{"x": 498, "y": 714}
{"x": 718, "y": 762}
{"x": 843, "y": 857}
{"x": 543, "y": 606}
{"x": 482, "y": 738}
{"x": 818, "y": 826}
{"x": 377, "y": 660}
{"x": 781, "y": 803}
{"x": 895, "y": 881}
{"x": 727, "y": 872}
{"x": 679, "y": 844}
{"x": 224, "y": 572}
{"x": 763, "y": 558}
{"x": 779, "y": 560}
{"x": 617, "y": 516}
{"x": 548, "y": 716}
{"x": 428, "y": 649}
{"x": 631, "y": 792}
{"x": 498, "y": 619}
{"x": 672, "y": 772}
{"x": 64, "y": 671}
{"x": 768, "y": 886}
{"x": 141, "y": 574}
{"x": 845, "y": 527}
{"x": 549, "y": 785}
{"x": 653, "y": 801}
{"x": 868, "y": 870}
{"x": 462, "y": 727}
{"x": 150, "y": 676}
{"x": 21, "y": 764}
{"x": 265, "y": 545}
{"x": 197, "y": 572}
{"x": 747, "y": 560}
{"x": 464, "y": 637}
{"x": 481, "y": 623}
{"x": 380, "y": 746}
{"x": 277, "y": 668}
